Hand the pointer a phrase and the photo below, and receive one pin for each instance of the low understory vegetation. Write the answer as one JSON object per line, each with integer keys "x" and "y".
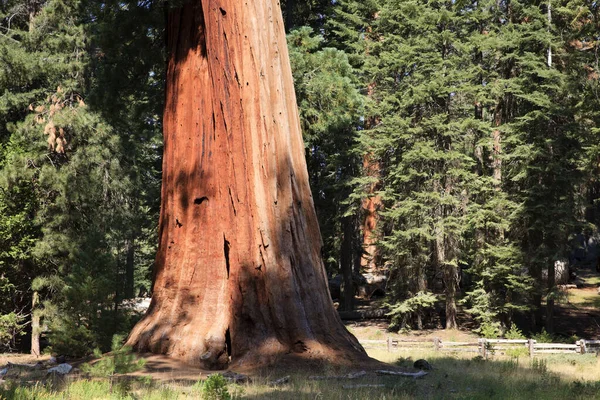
{"x": 453, "y": 377}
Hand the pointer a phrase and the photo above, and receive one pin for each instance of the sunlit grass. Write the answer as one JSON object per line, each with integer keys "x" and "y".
{"x": 455, "y": 376}
{"x": 588, "y": 296}
{"x": 584, "y": 298}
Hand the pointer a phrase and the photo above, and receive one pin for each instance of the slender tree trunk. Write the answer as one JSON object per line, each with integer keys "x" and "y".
{"x": 32, "y": 10}
{"x": 450, "y": 278}
{"x": 551, "y": 265}
{"x": 422, "y": 286}
{"x": 549, "y": 15}
{"x": 239, "y": 276}
{"x": 449, "y": 271}
{"x": 370, "y": 205}
{"x": 130, "y": 269}
{"x": 497, "y": 148}
{"x": 550, "y": 298}
{"x": 346, "y": 261}
{"x": 35, "y": 325}
{"x": 372, "y": 202}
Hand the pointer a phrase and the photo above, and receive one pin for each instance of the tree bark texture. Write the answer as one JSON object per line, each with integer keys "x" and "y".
{"x": 239, "y": 277}
{"x": 130, "y": 269}
{"x": 550, "y": 298}
{"x": 450, "y": 274}
{"x": 370, "y": 206}
{"x": 35, "y": 325}
{"x": 497, "y": 149}
{"x": 347, "y": 264}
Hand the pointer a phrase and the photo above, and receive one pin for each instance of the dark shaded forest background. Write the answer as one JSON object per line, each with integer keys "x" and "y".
{"x": 453, "y": 150}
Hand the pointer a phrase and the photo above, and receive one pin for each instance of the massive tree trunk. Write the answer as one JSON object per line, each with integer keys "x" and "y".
{"x": 239, "y": 277}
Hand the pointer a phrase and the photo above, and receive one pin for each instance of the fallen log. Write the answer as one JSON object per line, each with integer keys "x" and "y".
{"x": 353, "y": 375}
{"x": 36, "y": 366}
{"x": 404, "y": 374}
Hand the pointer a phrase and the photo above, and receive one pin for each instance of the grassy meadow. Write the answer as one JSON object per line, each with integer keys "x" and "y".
{"x": 453, "y": 377}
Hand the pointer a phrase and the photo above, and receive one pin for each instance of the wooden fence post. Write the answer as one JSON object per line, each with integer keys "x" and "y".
{"x": 531, "y": 346}
{"x": 436, "y": 344}
{"x": 582, "y": 348}
{"x": 389, "y": 344}
{"x": 484, "y": 348}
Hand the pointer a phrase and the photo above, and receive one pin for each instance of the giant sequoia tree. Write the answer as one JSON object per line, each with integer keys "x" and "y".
{"x": 239, "y": 276}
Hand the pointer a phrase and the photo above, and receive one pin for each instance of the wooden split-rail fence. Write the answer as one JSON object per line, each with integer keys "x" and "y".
{"x": 485, "y": 347}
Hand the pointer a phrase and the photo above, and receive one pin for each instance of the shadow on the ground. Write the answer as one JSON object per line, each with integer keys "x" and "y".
{"x": 451, "y": 379}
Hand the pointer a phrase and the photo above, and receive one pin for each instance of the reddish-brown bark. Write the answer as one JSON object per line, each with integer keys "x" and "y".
{"x": 239, "y": 278}
{"x": 370, "y": 206}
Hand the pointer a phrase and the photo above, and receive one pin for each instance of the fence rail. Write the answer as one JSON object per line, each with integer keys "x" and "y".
{"x": 485, "y": 347}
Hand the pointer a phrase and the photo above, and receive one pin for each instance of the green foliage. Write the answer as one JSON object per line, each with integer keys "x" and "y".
{"x": 330, "y": 106}
{"x": 517, "y": 352}
{"x": 483, "y": 150}
{"x": 543, "y": 337}
{"x": 79, "y": 153}
{"x": 514, "y": 333}
{"x": 403, "y": 313}
{"x": 120, "y": 361}
{"x": 214, "y": 388}
{"x": 11, "y": 326}
{"x": 489, "y": 330}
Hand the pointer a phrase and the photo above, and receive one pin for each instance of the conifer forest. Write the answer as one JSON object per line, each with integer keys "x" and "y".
{"x": 452, "y": 149}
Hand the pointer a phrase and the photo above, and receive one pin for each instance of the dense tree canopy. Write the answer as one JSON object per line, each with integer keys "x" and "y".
{"x": 471, "y": 126}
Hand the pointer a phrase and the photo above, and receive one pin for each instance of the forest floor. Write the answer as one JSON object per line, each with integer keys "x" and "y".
{"x": 454, "y": 376}
{"x": 578, "y": 310}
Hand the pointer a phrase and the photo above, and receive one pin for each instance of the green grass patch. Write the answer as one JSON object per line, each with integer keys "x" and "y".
{"x": 453, "y": 377}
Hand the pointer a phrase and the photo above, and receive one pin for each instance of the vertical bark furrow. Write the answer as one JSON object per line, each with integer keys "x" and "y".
{"x": 226, "y": 246}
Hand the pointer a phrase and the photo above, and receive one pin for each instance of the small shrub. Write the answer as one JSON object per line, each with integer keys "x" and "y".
{"x": 489, "y": 330}
{"x": 70, "y": 339}
{"x": 403, "y": 312}
{"x": 120, "y": 361}
{"x": 543, "y": 337}
{"x": 514, "y": 333}
{"x": 572, "y": 339}
{"x": 489, "y": 349}
{"x": 214, "y": 388}
{"x": 11, "y": 326}
{"x": 517, "y": 352}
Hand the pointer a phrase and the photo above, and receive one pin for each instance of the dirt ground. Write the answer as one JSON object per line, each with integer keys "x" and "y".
{"x": 164, "y": 369}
